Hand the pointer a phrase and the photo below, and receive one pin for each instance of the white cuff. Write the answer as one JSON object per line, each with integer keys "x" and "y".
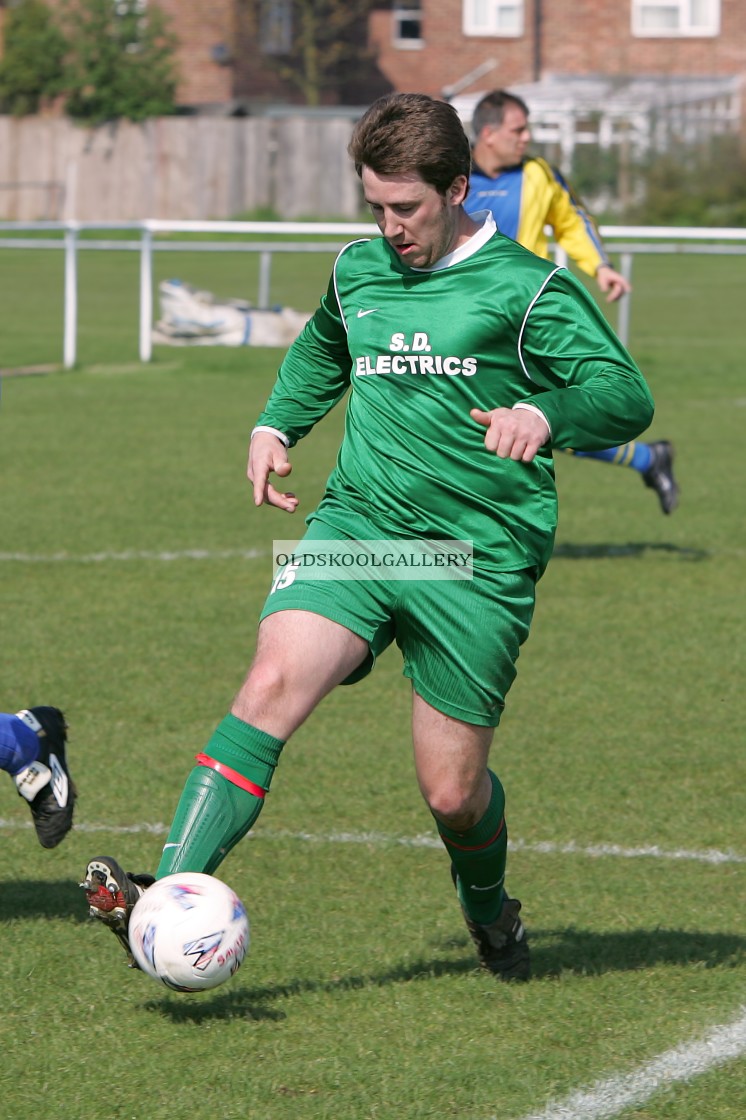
{"x": 273, "y": 432}
{"x": 533, "y": 408}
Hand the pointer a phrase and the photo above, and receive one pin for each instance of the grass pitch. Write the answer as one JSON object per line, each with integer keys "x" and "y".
{"x": 133, "y": 568}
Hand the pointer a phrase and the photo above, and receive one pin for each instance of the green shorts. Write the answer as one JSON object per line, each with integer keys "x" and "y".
{"x": 459, "y": 639}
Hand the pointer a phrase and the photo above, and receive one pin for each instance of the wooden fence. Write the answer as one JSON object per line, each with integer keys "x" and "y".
{"x": 178, "y": 168}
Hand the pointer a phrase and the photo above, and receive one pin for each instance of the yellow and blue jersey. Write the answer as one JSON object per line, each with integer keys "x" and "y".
{"x": 526, "y": 198}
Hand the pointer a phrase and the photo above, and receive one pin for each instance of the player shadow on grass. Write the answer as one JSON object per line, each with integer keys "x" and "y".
{"x": 591, "y": 953}
{"x": 607, "y": 551}
{"x": 255, "y": 1002}
{"x": 554, "y": 953}
{"x": 42, "y": 898}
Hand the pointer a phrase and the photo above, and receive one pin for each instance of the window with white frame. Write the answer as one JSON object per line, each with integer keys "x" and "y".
{"x": 675, "y": 18}
{"x": 275, "y": 26}
{"x": 499, "y": 18}
{"x": 407, "y": 24}
{"x": 125, "y": 7}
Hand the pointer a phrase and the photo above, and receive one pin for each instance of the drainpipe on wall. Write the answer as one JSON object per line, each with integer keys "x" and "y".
{"x": 538, "y": 62}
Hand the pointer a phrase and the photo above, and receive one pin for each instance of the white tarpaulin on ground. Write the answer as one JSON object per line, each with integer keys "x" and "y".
{"x": 191, "y": 317}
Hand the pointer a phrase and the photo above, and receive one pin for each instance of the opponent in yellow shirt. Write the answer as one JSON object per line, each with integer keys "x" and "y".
{"x": 525, "y": 194}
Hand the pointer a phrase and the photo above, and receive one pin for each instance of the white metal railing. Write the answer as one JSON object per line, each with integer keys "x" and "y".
{"x": 624, "y": 240}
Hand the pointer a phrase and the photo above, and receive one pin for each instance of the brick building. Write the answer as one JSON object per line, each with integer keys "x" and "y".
{"x": 232, "y": 51}
{"x": 435, "y": 45}
{"x": 206, "y": 56}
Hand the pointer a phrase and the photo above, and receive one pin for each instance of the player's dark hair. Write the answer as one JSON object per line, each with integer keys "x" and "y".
{"x": 405, "y": 132}
{"x": 490, "y": 111}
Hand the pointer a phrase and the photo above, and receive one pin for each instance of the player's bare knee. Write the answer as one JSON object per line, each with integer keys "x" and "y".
{"x": 453, "y": 807}
{"x": 267, "y": 684}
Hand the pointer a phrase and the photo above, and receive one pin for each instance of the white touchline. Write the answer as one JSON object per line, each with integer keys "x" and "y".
{"x": 197, "y": 554}
{"x": 651, "y": 851}
{"x": 383, "y": 839}
{"x": 608, "y": 1098}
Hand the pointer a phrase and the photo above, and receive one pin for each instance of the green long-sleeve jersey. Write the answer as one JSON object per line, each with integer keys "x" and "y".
{"x": 489, "y": 326}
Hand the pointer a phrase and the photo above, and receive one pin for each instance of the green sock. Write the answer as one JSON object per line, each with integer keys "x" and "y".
{"x": 214, "y": 811}
{"x": 479, "y": 856}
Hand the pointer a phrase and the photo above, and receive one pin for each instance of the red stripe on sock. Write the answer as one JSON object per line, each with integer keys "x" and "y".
{"x": 230, "y": 775}
{"x": 475, "y": 847}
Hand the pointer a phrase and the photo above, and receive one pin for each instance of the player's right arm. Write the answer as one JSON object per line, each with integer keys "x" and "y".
{"x": 313, "y": 377}
{"x": 268, "y": 455}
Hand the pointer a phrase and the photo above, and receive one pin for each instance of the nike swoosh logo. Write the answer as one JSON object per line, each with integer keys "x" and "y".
{"x": 170, "y": 846}
{"x": 362, "y": 314}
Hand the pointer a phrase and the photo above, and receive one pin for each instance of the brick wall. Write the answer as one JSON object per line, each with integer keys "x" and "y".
{"x": 579, "y": 37}
{"x": 447, "y": 55}
{"x": 201, "y": 28}
{"x": 595, "y": 37}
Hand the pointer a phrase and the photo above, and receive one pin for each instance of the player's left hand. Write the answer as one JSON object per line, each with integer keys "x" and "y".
{"x": 612, "y": 283}
{"x": 512, "y": 433}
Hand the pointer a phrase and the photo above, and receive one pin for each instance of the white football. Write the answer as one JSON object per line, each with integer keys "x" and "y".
{"x": 190, "y": 931}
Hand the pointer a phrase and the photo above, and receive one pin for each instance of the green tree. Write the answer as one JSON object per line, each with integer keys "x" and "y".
{"x": 121, "y": 61}
{"x": 326, "y": 43}
{"x": 33, "y": 58}
{"x": 702, "y": 185}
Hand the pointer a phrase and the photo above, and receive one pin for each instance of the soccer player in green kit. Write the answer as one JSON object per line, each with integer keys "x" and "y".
{"x": 467, "y": 359}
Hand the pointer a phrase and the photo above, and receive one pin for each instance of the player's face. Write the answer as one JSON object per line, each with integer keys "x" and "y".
{"x": 508, "y": 140}
{"x": 419, "y": 224}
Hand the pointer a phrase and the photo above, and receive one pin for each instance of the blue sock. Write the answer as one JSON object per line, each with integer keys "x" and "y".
{"x": 19, "y": 745}
{"x": 633, "y": 454}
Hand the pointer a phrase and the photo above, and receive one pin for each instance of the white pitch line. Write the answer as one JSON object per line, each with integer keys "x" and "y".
{"x": 133, "y": 554}
{"x": 649, "y": 851}
{"x": 427, "y": 840}
{"x": 255, "y": 554}
{"x": 608, "y": 1098}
